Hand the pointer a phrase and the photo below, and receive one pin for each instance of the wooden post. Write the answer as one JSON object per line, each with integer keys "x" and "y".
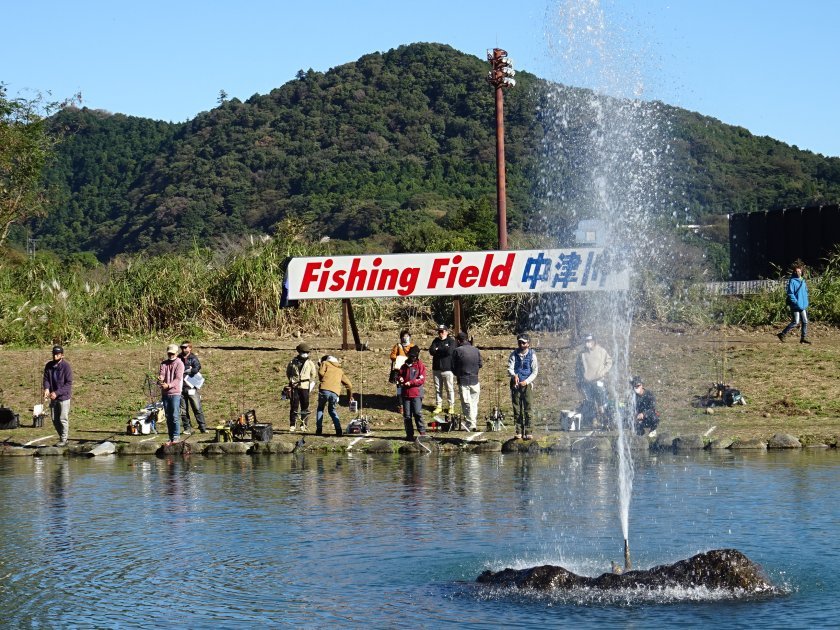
{"x": 456, "y": 315}
{"x": 348, "y": 318}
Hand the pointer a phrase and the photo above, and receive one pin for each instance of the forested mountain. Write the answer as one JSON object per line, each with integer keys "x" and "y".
{"x": 397, "y": 148}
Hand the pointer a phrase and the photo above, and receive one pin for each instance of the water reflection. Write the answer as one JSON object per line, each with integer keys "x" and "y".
{"x": 319, "y": 539}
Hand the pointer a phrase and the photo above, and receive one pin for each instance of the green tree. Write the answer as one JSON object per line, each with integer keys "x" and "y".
{"x": 25, "y": 147}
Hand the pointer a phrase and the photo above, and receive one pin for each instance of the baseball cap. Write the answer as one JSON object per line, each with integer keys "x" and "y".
{"x": 524, "y": 337}
{"x": 442, "y": 327}
{"x": 58, "y": 350}
{"x": 171, "y": 349}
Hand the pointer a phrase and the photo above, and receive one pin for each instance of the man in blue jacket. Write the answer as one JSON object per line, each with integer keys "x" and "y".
{"x": 797, "y": 301}
{"x": 58, "y": 387}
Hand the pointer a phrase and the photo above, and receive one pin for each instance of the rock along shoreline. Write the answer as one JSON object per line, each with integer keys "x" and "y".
{"x": 395, "y": 444}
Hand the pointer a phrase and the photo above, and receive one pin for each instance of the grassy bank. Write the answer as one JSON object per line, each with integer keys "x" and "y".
{"x": 790, "y": 388}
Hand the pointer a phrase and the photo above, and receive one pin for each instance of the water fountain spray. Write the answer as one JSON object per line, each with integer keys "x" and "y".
{"x": 615, "y": 170}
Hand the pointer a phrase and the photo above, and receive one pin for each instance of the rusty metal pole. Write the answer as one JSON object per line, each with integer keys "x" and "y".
{"x": 501, "y": 190}
{"x": 500, "y": 77}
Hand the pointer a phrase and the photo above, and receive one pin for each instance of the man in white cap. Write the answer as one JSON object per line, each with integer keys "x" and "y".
{"x": 522, "y": 368}
{"x": 171, "y": 380}
{"x": 441, "y": 351}
{"x": 593, "y": 365}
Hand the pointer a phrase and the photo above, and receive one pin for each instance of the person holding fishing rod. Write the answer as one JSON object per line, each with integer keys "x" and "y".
{"x": 522, "y": 368}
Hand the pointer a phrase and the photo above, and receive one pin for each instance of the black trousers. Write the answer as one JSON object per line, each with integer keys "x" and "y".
{"x": 299, "y": 407}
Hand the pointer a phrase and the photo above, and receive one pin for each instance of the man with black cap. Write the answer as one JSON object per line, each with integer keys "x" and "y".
{"x": 646, "y": 415}
{"x": 190, "y": 394}
{"x": 303, "y": 375}
{"x": 522, "y": 368}
{"x": 58, "y": 388}
{"x": 441, "y": 351}
{"x": 466, "y": 362}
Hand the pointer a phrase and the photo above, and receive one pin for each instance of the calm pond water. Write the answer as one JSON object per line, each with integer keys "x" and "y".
{"x": 318, "y": 541}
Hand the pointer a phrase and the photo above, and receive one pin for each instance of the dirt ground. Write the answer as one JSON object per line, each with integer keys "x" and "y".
{"x": 790, "y": 388}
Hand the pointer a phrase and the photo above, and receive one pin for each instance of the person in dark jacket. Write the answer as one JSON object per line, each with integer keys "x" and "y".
{"x": 797, "y": 301}
{"x": 190, "y": 394}
{"x": 441, "y": 351}
{"x": 412, "y": 378}
{"x": 466, "y": 362}
{"x": 646, "y": 414}
{"x": 58, "y": 389}
{"x": 523, "y": 368}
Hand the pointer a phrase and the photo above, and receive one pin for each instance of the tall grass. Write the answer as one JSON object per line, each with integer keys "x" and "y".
{"x": 204, "y": 294}
{"x": 770, "y": 307}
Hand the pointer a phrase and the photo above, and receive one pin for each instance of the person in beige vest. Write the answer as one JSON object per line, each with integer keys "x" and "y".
{"x": 593, "y": 365}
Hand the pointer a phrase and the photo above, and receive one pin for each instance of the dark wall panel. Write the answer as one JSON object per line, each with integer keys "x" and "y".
{"x": 776, "y": 243}
{"x": 830, "y": 226}
{"x": 812, "y": 236}
{"x": 739, "y": 247}
{"x": 793, "y": 236}
{"x": 775, "y": 239}
{"x": 758, "y": 245}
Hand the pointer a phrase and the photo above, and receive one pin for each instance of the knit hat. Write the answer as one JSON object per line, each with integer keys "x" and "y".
{"x": 636, "y": 381}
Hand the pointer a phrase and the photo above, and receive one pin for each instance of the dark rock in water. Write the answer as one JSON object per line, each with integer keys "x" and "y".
{"x": 689, "y": 443}
{"x": 664, "y": 442}
{"x": 183, "y": 449}
{"x": 784, "y": 440}
{"x": 753, "y": 444}
{"x": 718, "y": 569}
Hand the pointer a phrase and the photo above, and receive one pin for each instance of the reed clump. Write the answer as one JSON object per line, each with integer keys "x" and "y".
{"x": 205, "y": 293}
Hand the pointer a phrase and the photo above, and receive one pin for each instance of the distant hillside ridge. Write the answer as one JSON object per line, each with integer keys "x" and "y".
{"x": 394, "y": 151}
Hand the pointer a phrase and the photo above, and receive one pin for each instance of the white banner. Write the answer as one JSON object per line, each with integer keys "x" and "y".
{"x": 453, "y": 273}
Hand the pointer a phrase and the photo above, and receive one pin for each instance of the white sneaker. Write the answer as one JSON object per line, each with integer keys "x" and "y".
{"x": 652, "y": 433}
{"x": 292, "y": 429}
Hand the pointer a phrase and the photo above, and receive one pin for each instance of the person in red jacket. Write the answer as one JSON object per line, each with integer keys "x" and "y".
{"x": 411, "y": 379}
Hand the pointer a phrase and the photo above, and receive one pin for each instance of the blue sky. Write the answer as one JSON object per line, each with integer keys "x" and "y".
{"x": 768, "y": 65}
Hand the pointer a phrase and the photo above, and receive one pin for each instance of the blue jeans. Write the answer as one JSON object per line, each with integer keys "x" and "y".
{"x": 795, "y": 316}
{"x": 330, "y": 400}
{"x": 413, "y": 410}
{"x": 172, "y": 409}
